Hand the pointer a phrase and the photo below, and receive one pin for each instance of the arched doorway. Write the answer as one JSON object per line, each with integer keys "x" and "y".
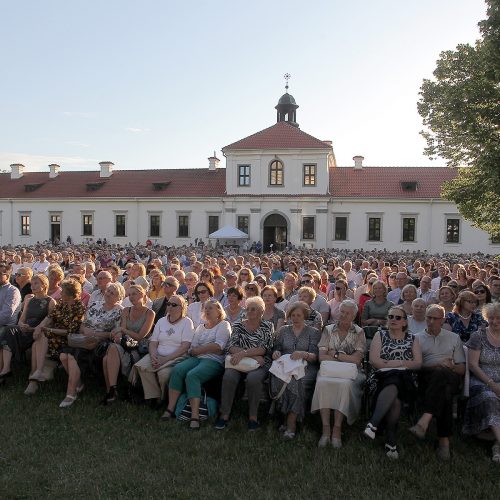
{"x": 275, "y": 232}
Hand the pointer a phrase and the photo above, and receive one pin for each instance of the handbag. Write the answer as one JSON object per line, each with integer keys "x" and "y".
{"x": 80, "y": 341}
{"x": 128, "y": 343}
{"x": 337, "y": 369}
{"x": 208, "y": 407}
{"x": 245, "y": 365}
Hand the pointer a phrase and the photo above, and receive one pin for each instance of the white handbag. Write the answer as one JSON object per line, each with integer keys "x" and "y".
{"x": 338, "y": 369}
{"x": 245, "y": 365}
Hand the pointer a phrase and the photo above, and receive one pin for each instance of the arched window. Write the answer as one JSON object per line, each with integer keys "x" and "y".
{"x": 276, "y": 173}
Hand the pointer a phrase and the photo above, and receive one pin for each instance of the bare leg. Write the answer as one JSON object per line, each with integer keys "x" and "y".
{"x": 5, "y": 361}
{"x": 73, "y": 375}
{"x": 325, "y": 420}
{"x": 64, "y": 361}
{"x": 105, "y": 371}
{"x": 338, "y": 419}
{"x": 173, "y": 396}
{"x": 425, "y": 420}
{"x": 496, "y": 432}
{"x": 113, "y": 365}
{"x": 39, "y": 352}
{"x": 291, "y": 421}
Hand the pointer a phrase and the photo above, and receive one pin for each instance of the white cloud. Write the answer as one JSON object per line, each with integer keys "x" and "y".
{"x": 39, "y": 162}
{"x": 136, "y": 130}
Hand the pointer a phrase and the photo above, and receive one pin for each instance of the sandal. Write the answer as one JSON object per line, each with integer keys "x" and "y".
{"x": 167, "y": 415}
{"x": 67, "y": 401}
{"x": 194, "y": 424}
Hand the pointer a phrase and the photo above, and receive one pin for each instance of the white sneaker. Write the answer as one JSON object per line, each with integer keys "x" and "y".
{"x": 67, "y": 401}
{"x": 323, "y": 441}
{"x": 391, "y": 452}
{"x": 370, "y": 431}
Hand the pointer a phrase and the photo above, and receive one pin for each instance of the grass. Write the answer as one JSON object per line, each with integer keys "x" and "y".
{"x": 89, "y": 451}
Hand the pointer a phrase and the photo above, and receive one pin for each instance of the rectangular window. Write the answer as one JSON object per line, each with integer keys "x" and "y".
{"x": 308, "y": 228}
{"x": 243, "y": 175}
{"x": 213, "y": 223}
{"x": 341, "y": 228}
{"x": 120, "y": 225}
{"x": 452, "y": 230}
{"x": 154, "y": 226}
{"x": 88, "y": 229}
{"x": 244, "y": 223}
{"x": 310, "y": 175}
{"x": 409, "y": 228}
{"x": 25, "y": 225}
{"x": 183, "y": 226}
{"x": 374, "y": 229}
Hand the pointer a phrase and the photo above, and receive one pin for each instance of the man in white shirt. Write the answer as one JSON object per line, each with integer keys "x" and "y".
{"x": 436, "y": 282}
{"x": 416, "y": 322}
{"x": 425, "y": 292}
{"x": 401, "y": 282}
{"x": 41, "y": 265}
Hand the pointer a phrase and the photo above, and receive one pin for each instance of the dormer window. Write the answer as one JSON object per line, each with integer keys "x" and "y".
{"x": 160, "y": 186}
{"x": 276, "y": 173}
{"x": 409, "y": 185}
{"x": 29, "y": 188}
{"x": 94, "y": 186}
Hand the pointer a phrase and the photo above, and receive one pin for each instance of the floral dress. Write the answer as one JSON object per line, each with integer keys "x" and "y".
{"x": 65, "y": 317}
{"x": 483, "y": 406}
{"x": 476, "y": 322}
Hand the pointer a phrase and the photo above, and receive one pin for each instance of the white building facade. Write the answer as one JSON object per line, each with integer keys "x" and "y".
{"x": 279, "y": 185}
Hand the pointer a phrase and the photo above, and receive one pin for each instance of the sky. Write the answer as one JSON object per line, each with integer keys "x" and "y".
{"x": 155, "y": 84}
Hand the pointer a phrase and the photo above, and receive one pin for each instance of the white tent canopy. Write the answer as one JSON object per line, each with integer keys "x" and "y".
{"x": 228, "y": 233}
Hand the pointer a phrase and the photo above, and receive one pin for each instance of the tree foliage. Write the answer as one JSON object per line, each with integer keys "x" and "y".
{"x": 460, "y": 108}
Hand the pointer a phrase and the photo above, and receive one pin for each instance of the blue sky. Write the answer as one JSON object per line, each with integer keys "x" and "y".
{"x": 161, "y": 84}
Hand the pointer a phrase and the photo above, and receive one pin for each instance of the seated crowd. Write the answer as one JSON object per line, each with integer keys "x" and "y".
{"x": 303, "y": 330}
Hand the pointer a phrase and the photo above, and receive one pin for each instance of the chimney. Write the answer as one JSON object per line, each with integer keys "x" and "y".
{"x": 358, "y": 162}
{"x": 106, "y": 168}
{"x": 17, "y": 171}
{"x": 54, "y": 170}
{"x": 213, "y": 162}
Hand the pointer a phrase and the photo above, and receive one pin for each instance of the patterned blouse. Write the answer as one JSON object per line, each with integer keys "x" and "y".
{"x": 65, "y": 317}
{"x": 476, "y": 322}
{"x": 101, "y": 320}
{"x": 354, "y": 340}
{"x": 245, "y": 339}
{"x": 394, "y": 349}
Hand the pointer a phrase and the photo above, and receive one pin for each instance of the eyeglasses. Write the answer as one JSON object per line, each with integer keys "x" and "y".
{"x": 166, "y": 283}
{"x": 480, "y": 291}
{"x": 432, "y": 318}
{"x": 395, "y": 316}
{"x": 338, "y": 288}
{"x": 172, "y": 304}
{"x": 452, "y": 286}
{"x": 243, "y": 273}
{"x": 202, "y": 292}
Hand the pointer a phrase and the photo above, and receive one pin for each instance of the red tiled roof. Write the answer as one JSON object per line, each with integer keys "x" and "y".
{"x": 281, "y": 135}
{"x": 122, "y": 183}
{"x": 385, "y": 182}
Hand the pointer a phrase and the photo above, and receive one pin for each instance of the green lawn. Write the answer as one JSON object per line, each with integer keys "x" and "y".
{"x": 89, "y": 451}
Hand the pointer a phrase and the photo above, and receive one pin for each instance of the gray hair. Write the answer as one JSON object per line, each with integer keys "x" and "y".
{"x": 350, "y": 303}
{"x": 419, "y": 300}
{"x": 489, "y": 310}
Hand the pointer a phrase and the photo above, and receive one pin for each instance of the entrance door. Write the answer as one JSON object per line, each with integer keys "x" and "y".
{"x": 55, "y": 228}
{"x": 275, "y": 233}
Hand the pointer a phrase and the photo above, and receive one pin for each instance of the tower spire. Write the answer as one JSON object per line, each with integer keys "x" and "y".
{"x": 287, "y": 107}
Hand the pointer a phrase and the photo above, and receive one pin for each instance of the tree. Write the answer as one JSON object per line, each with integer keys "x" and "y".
{"x": 461, "y": 112}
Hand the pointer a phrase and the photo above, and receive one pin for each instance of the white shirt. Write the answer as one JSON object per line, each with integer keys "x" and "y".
{"x": 170, "y": 336}
{"x": 40, "y": 267}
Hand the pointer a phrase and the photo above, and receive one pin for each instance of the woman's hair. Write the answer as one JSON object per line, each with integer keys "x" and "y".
{"x": 253, "y": 285}
{"x": 462, "y": 297}
{"x": 207, "y": 272}
{"x": 218, "y": 305}
{"x": 350, "y": 303}
{"x": 235, "y": 290}
{"x": 118, "y": 288}
{"x": 72, "y": 288}
{"x": 402, "y": 313}
{"x": 157, "y": 272}
{"x": 408, "y": 287}
{"x": 382, "y": 284}
{"x": 142, "y": 269}
{"x": 310, "y": 291}
{"x": 481, "y": 284}
{"x": 269, "y": 288}
{"x": 340, "y": 281}
{"x": 446, "y": 287}
{"x": 208, "y": 286}
{"x": 250, "y": 274}
{"x": 256, "y": 301}
{"x": 138, "y": 288}
{"x": 191, "y": 274}
{"x": 55, "y": 269}
{"x": 183, "y": 303}
{"x": 298, "y": 304}
{"x": 489, "y": 310}
{"x": 43, "y": 280}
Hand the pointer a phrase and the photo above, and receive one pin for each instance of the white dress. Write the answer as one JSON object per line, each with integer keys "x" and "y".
{"x": 335, "y": 393}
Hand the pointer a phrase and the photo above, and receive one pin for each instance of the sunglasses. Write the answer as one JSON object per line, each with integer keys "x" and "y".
{"x": 172, "y": 304}
{"x": 453, "y": 286}
{"x": 480, "y": 292}
{"x": 338, "y": 288}
{"x": 168, "y": 284}
{"x": 243, "y": 274}
{"x": 202, "y": 292}
{"x": 395, "y": 316}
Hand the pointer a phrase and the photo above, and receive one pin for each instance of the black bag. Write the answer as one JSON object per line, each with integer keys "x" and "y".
{"x": 128, "y": 343}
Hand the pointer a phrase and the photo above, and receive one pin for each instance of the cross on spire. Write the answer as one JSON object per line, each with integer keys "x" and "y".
{"x": 287, "y": 77}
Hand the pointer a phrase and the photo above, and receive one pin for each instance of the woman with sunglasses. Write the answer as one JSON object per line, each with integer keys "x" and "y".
{"x": 206, "y": 361}
{"x": 375, "y": 310}
{"x": 394, "y": 354}
{"x": 156, "y": 290}
{"x": 168, "y": 345}
{"x": 482, "y": 293}
{"x": 463, "y": 320}
{"x": 245, "y": 275}
{"x": 201, "y": 292}
{"x": 339, "y": 295}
